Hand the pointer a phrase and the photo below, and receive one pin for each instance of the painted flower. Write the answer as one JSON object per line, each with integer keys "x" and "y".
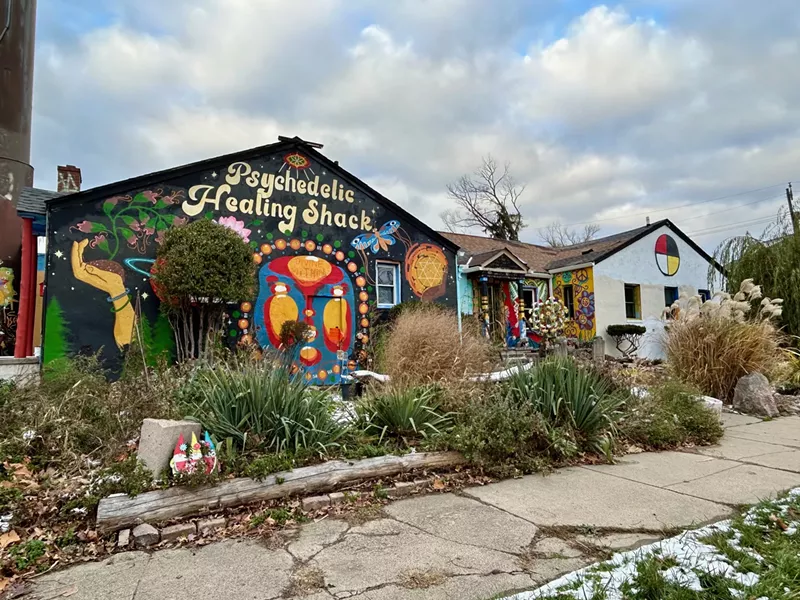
{"x": 235, "y": 225}
{"x": 160, "y": 237}
{"x": 566, "y": 277}
{"x": 98, "y": 239}
{"x": 151, "y": 196}
{"x": 84, "y": 226}
{"x": 131, "y": 241}
{"x": 178, "y": 221}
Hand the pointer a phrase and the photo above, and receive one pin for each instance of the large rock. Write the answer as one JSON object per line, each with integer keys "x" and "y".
{"x": 157, "y": 441}
{"x": 753, "y": 395}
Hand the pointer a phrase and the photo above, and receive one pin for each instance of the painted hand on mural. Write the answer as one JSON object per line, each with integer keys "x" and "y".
{"x": 108, "y": 276}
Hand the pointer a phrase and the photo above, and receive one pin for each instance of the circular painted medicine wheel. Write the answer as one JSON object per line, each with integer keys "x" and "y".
{"x": 668, "y": 258}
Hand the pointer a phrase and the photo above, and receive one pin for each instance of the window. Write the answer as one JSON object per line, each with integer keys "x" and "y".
{"x": 569, "y": 301}
{"x": 670, "y": 296}
{"x": 388, "y": 277}
{"x": 633, "y": 301}
{"x": 704, "y": 294}
{"x": 529, "y": 297}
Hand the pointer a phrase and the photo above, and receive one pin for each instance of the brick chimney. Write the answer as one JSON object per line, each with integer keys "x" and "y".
{"x": 69, "y": 179}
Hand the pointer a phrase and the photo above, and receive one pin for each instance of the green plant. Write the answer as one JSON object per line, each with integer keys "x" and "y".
{"x": 627, "y": 337}
{"x": 380, "y": 492}
{"x": 263, "y": 466}
{"x": 201, "y": 267}
{"x": 712, "y": 345}
{"x": 9, "y": 498}
{"x": 260, "y": 400}
{"x": 668, "y": 417}
{"x": 27, "y": 554}
{"x": 567, "y": 394}
{"x": 399, "y": 411}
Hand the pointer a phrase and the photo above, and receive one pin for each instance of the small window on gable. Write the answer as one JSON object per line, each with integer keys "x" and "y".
{"x": 387, "y": 284}
{"x": 705, "y": 295}
{"x": 569, "y": 301}
{"x": 633, "y": 301}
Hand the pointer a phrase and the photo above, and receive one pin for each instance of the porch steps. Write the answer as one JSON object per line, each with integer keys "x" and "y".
{"x": 518, "y": 356}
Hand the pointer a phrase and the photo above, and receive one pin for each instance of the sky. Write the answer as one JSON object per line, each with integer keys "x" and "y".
{"x": 607, "y": 113}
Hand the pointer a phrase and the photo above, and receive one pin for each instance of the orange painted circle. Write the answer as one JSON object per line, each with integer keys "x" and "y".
{"x": 295, "y": 244}
{"x": 311, "y": 245}
{"x": 352, "y": 365}
{"x": 361, "y": 281}
{"x": 265, "y": 248}
{"x": 336, "y": 369}
{"x": 246, "y": 307}
{"x": 327, "y": 248}
{"x": 363, "y": 296}
{"x": 339, "y": 255}
{"x": 352, "y": 267}
{"x": 364, "y": 339}
{"x": 363, "y": 308}
{"x": 309, "y": 355}
{"x": 257, "y": 259}
{"x": 309, "y": 312}
{"x": 308, "y": 376}
{"x": 322, "y": 374}
{"x": 280, "y": 244}
{"x": 246, "y": 340}
{"x": 244, "y": 323}
{"x": 365, "y": 322}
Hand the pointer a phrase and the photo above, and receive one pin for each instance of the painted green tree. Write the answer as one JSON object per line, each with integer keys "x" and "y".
{"x": 56, "y": 344}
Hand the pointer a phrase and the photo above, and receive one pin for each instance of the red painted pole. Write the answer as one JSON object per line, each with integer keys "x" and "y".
{"x": 32, "y": 287}
{"x": 25, "y": 291}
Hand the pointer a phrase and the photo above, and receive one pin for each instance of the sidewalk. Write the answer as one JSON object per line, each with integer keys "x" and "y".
{"x": 503, "y": 537}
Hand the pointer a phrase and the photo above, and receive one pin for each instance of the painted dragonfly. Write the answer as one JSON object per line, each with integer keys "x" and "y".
{"x": 379, "y": 238}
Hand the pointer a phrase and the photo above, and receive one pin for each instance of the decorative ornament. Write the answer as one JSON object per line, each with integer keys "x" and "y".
{"x": 197, "y": 455}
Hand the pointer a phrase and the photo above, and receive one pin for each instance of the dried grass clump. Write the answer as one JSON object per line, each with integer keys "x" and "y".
{"x": 713, "y": 344}
{"x": 425, "y": 346}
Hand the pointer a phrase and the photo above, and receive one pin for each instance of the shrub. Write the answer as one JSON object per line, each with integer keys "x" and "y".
{"x": 399, "y": 411}
{"x": 260, "y": 400}
{"x": 627, "y": 337}
{"x": 670, "y": 416}
{"x": 425, "y": 346}
{"x": 712, "y": 345}
{"x": 568, "y": 395}
{"x": 199, "y": 268}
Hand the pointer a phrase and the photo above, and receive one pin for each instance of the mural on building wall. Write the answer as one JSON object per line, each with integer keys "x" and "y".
{"x": 668, "y": 257}
{"x": 582, "y": 326}
{"x": 314, "y": 238}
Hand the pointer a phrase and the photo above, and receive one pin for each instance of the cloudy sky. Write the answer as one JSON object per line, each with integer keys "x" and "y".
{"x": 676, "y": 109}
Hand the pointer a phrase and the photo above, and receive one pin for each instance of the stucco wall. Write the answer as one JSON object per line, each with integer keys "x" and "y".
{"x": 636, "y": 264}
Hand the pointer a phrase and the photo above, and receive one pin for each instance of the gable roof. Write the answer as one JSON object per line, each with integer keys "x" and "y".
{"x": 536, "y": 257}
{"x": 284, "y": 143}
{"x": 32, "y": 200}
{"x": 498, "y": 260}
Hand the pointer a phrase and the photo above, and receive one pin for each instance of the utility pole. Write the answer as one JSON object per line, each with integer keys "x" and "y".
{"x": 792, "y": 215}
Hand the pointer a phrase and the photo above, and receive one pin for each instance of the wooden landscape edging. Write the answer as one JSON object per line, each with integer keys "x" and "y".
{"x": 118, "y": 511}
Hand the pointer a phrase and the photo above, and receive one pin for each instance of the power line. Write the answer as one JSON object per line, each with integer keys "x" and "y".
{"x": 658, "y": 210}
{"x": 719, "y": 212}
{"x": 721, "y": 228}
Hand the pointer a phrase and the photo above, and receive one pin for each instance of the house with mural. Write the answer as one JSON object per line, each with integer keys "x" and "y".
{"x": 628, "y": 277}
{"x": 330, "y": 250}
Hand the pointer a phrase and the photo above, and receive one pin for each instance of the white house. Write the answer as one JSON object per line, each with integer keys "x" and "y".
{"x": 628, "y": 277}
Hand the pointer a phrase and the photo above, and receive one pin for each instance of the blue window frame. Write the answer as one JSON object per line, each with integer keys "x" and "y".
{"x": 387, "y": 283}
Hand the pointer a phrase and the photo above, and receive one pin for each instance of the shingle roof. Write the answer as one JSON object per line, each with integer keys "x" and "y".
{"x": 596, "y": 250}
{"x": 536, "y": 257}
{"x": 31, "y": 200}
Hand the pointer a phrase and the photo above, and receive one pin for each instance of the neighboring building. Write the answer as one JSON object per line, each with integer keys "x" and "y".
{"x": 330, "y": 250}
{"x": 629, "y": 277}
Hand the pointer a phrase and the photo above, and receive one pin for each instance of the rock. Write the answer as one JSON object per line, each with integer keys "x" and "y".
{"x": 787, "y": 405}
{"x": 712, "y": 404}
{"x": 175, "y": 532}
{"x": 145, "y": 535}
{"x": 404, "y": 488}
{"x": 208, "y": 525}
{"x": 337, "y": 498}
{"x": 124, "y": 538}
{"x": 157, "y": 441}
{"x": 316, "y": 502}
{"x": 753, "y": 395}
{"x": 598, "y": 350}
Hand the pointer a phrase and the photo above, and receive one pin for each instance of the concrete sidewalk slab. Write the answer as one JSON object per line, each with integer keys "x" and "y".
{"x": 578, "y": 496}
{"x": 664, "y": 468}
{"x": 738, "y": 449}
{"x": 734, "y": 419}
{"x": 455, "y": 517}
{"x": 115, "y": 578}
{"x": 788, "y": 460}
{"x": 785, "y": 432}
{"x": 745, "y": 484}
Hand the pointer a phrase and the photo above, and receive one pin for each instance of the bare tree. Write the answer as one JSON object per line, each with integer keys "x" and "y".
{"x": 557, "y": 235}
{"x": 487, "y": 199}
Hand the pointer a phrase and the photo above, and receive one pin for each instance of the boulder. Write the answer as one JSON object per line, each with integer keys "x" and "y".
{"x": 753, "y": 395}
{"x": 787, "y": 404}
{"x": 157, "y": 441}
{"x": 712, "y": 404}
{"x": 145, "y": 535}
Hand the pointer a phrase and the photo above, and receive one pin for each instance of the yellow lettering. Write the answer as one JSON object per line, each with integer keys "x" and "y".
{"x": 252, "y": 180}
{"x": 352, "y": 221}
{"x": 301, "y": 187}
{"x": 325, "y": 214}
{"x": 334, "y": 191}
{"x": 231, "y": 203}
{"x": 279, "y": 183}
{"x": 267, "y": 181}
{"x": 340, "y": 220}
{"x": 313, "y": 186}
{"x": 289, "y": 214}
{"x": 311, "y": 214}
{"x": 276, "y": 210}
{"x": 236, "y": 171}
{"x": 246, "y": 206}
{"x": 366, "y": 222}
{"x": 199, "y": 194}
{"x": 325, "y": 190}
{"x": 349, "y": 196}
{"x": 291, "y": 183}
{"x": 259, "y": 201}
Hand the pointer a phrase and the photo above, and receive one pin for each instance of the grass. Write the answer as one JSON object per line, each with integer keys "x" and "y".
{"x": 754, "y": 556}
{"x": 403, "y": 412}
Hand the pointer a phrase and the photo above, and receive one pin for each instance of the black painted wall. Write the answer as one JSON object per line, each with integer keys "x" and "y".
{"x": 317, "y": 234}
